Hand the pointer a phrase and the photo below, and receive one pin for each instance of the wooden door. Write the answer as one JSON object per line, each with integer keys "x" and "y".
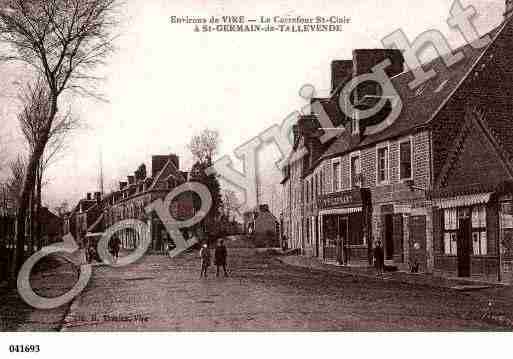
{"x": 464, "y": 247}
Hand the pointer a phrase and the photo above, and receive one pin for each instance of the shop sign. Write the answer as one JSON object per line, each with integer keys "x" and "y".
{"x": 340, "y": 199}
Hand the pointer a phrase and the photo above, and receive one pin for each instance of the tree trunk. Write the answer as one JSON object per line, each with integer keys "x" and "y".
{"x": 27, "y": 187}
{"x": 38, "y": 225}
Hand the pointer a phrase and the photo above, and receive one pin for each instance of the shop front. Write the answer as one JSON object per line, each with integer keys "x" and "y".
{"x": 345, "y": 226}
{"x": 466, "y": 239}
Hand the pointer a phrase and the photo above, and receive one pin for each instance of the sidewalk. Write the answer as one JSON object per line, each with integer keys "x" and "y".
{"x": 398, "y": 276}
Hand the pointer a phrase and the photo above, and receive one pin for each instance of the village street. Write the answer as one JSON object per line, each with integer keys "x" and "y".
{"x": 164, "y": 294}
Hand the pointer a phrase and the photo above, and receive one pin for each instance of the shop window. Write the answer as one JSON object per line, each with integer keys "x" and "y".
{"x": 405, "y": 160}
{"x": 336, "y": 176}
{"x": 450, "y": 232}
{"x": 382, "y": 165}
{"x": 479, "y": 242}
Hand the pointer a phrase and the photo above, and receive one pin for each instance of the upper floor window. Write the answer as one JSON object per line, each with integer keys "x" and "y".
{"x": 382, "y": 165}
{"x": 405, "y": 158}
{"x": 336, "y": 176}
{"x": 356, "y": 171}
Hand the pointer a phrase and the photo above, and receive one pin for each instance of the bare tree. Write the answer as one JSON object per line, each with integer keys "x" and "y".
{"x": 62, "y": 208}
{"x": 63, "y": 40}
{"x": 205, "y": 145}
{"x": 30, "y": 124}
{"x": 231, "y": 203}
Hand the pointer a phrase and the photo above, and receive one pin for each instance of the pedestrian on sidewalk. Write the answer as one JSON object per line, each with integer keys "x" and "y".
{"x": 205, "y": 260}
{"x": 115, "y": 247}
{"x": 220, "y": 257}
{"x": 379, "y": 258}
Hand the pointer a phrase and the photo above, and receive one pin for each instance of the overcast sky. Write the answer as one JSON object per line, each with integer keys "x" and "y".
{"x": 166, "y": 82}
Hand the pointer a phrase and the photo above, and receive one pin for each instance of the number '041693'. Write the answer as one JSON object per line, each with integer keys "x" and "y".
{"x": 24, "y": 348}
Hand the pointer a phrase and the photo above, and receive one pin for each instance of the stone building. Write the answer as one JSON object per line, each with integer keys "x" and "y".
{"x": 93, "y": 216}
{"x": 433, "y": 186}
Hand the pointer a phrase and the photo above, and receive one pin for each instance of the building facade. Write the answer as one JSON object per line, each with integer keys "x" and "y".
{"x": 93, "y": 216}
{"x": 433, "y": 186}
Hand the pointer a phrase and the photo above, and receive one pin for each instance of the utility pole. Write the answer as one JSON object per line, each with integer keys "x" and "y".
{"x": 100, "y": 179}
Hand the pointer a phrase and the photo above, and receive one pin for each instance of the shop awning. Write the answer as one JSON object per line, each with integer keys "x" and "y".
{"x": 463, "y": 201}
{"x": 340, "y": 211}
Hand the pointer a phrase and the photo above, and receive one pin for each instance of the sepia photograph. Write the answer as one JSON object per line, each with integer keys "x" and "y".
{"x": 269, "y": 178}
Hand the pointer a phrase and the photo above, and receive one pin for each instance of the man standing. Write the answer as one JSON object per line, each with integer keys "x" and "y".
{"x": 379, "y": 258}
{"x": 205, "y": 260}
{"x": 220, "y": 257}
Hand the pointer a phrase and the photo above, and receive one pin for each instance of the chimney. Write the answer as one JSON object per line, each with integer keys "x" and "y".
{"x": 341, "y": 73}
{"x": 89, "y": 196}
{"x": 509, "y": 9}
{"x": 122, "y": 185}
{"x": 175, "y": 159}
{"x": 131, "y": 180}
{"x": 365, "y": 59}
{"x": 157, "y": 164}
{"x": 98, "y": 196}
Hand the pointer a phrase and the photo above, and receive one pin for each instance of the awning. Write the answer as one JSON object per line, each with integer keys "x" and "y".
{"x": 463, "y": 201}
{"x": 340, "y": 211}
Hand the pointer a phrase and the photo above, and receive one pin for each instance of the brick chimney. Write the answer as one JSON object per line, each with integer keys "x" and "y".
{"x": 175, "y": 159}
{"x": 509, "y": 9}
{"x": 89, "y": 196}
{"x": 341, "y": 73}
{"x": 157, "y": 164}
{"x": 131, "y": 180}
{"x": 365, "y": 59}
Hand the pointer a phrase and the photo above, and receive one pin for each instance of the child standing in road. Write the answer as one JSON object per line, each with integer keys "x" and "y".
{"x": 205, "y": 260}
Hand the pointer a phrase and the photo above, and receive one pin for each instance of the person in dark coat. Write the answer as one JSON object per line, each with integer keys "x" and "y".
{"x": 115, "y": 246}
{"x": 220, "y": 257}
{"x": 379, "y": 258}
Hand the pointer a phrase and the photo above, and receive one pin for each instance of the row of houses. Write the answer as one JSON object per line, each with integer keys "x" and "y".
{"x": 96, "y": 212}
{"x": 435, "y": 186}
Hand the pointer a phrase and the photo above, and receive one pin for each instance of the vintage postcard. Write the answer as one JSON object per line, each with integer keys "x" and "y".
{"x": 256, "y": 167}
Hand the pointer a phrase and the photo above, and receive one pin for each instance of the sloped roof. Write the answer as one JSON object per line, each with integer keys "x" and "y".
{"x": 421, "y": 104}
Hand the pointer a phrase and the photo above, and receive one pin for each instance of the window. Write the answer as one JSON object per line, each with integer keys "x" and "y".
{"x": 450, "y": 231}
{"x": 355, "y": 171}
{"x": 321, "y": 179}
{"x": 382, "y": 164}
{"x": 336, "y": 176}
{"x": 479, "y": 243}
{"x": 405, "y": 160}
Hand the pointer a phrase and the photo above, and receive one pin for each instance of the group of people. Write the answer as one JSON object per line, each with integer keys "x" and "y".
{"x": 220, "y": 254}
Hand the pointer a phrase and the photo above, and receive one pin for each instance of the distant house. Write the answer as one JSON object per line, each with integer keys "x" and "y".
{"x": 51, "y": 227}
{"x": 260, "y": 221}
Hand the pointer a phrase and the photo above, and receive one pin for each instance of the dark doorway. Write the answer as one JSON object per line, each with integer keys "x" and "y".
{"x": 343, "y": 231}
{"x": 389, "y": 237}
{"x": 464, "y": 250}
